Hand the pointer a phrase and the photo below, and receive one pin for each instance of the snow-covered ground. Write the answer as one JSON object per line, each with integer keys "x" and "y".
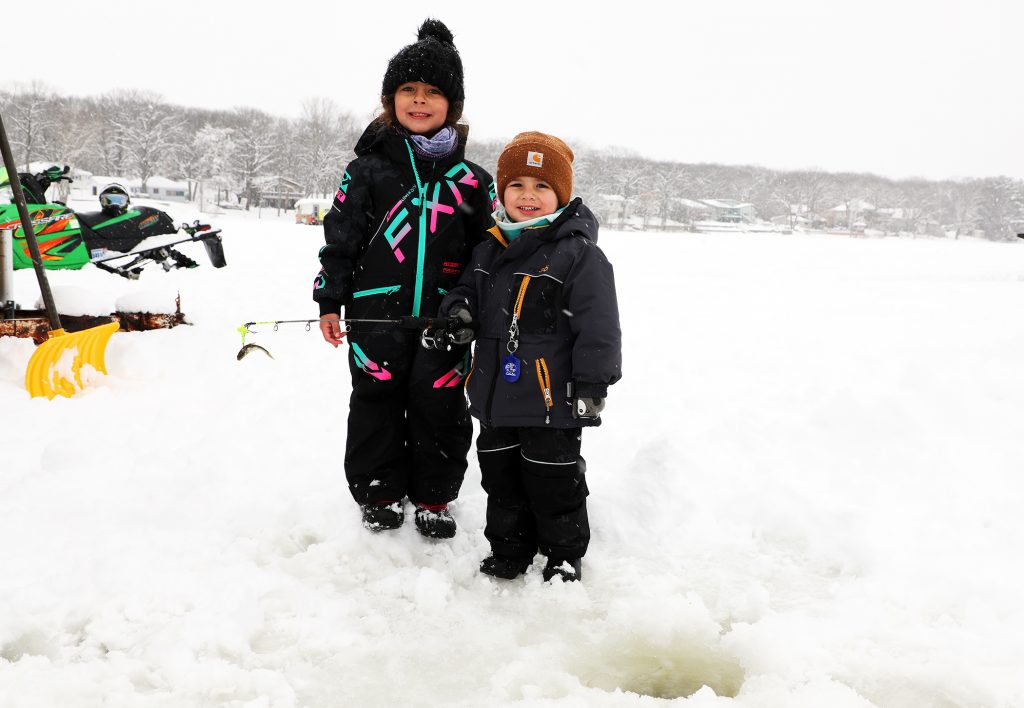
{"x": 806, "y": 493}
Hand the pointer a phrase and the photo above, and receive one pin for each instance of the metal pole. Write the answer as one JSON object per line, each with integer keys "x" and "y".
{"x": 6, "y": 273}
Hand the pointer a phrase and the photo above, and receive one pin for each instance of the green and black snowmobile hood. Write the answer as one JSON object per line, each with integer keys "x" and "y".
{"x": 57, "y": 230}
{"x": 123, "y": 232}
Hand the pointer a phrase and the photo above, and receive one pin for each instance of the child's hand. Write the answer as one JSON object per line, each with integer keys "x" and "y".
{"x": 458, "y": 329}
{"x": 461, "y": 326}
{"x": 587, "y": 407}
{"x": 330, "y": 328}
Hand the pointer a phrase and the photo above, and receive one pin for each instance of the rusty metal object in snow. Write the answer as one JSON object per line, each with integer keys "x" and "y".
{"x": 33, "y": 323}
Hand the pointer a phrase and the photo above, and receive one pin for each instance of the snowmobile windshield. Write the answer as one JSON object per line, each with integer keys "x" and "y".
{"x": 118, "y": 201}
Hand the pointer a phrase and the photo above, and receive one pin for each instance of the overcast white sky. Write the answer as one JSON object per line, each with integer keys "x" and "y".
{"x": 897, "y": 87}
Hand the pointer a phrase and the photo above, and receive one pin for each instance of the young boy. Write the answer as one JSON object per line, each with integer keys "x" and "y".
{"x": 540, "y": 296}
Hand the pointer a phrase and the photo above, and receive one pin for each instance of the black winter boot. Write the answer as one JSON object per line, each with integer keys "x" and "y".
{"x": 569, "y": 571}
{"x": 383, "y": 517}
{"x": 435, "y": 523}
{"x": 502, "y": 567}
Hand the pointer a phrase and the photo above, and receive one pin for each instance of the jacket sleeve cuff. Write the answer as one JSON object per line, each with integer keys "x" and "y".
{"x": 329, "y": 307}
{"x": 591, "y": 390}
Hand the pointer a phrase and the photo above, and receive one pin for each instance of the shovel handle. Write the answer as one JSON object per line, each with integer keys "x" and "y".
{"x": 30, "y": 234}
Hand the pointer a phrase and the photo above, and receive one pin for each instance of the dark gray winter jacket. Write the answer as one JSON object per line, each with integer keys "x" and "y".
{"x": 568, "y": 321}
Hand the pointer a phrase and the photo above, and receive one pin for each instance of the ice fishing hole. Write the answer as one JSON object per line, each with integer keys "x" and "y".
{"x": 676, "y": 669}
{"x": 30, "y": 643}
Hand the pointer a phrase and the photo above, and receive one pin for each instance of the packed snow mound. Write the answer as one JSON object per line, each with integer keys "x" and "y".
{"x": 804, "y": 494}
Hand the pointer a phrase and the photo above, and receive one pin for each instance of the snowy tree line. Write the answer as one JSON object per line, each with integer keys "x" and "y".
{"x": 657, "y": 191}
{"x": 137, "y": 134}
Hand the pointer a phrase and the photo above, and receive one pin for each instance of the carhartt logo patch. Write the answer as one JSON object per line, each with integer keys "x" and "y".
{"x": 534, "y": 159}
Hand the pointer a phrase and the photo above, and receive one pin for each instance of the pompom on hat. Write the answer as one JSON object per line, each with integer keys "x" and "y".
{"x": 432, "y": 59}
{"x": 539, "y": 155}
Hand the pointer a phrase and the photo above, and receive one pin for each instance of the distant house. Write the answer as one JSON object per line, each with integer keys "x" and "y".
{"x": 162, "y": 188}
{"x": 791, "y": 221}
{"x": 157, "y": 187}
{"x": 853, "y": 215}
{"x": 613, "y": 208}
{"x": 691, "y": 210}
{"x": 800, "y": 215}
{"x": 618, "y": 211}
{"x": 276, "y": 191}
{"x": 897, "y": 219}
{"x": 92, "y": 185}
{"x": 730, "y": 210}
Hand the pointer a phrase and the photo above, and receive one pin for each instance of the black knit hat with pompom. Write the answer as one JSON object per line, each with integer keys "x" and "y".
{"x": 432, "y": 59}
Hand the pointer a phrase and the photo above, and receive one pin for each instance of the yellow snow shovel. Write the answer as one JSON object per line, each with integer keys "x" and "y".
{"x": 55, "y": 367}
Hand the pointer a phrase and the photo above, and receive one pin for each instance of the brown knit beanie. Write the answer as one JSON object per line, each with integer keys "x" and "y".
{"x": 534, "y": 154}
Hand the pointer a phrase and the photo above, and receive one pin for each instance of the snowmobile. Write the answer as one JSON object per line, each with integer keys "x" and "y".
{"x": 70, "y": 240}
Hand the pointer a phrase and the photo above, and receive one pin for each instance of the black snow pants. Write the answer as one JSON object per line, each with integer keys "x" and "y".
{"x": 409, "y": 430}
{"x": 536, "y": 487}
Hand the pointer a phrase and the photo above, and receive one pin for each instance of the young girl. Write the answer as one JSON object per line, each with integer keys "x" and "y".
{"x": 403, "y": 224}
{"x": 542, "y": 295}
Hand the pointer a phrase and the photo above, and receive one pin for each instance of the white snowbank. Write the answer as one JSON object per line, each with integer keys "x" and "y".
{"x": 806, "y": 493}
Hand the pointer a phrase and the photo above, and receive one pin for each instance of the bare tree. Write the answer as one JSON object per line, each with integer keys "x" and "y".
{"x": 1001, "y": 206}
{"x": 73, "y": 133}
{"x": 587, "y": 173}
{"x": 669, "y": 181}
{"x": 627, "y": 177}
{"x": 923, "y": 204}
{"x": 717, "y": 181}
{"x": 485, "y": 153}
{"x": 207, "y": 156}
{"x": 150, "y": 132}
{"x": 111, "y": 152}
{"x": 962, "y": 202}
{"x": 816, "y": 188}
{"x": 30, "y": 114}
{"x": 787, "y": 192}
{"x": 256, "y": 142}
{"x": 323, "y": 139}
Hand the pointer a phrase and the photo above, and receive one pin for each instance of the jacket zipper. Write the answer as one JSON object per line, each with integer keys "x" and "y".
{"x": 544, "y": 379}
{"x": 511, "y": 345}
{"x": 421, "y": 246}
{"x": 387, "y": 290}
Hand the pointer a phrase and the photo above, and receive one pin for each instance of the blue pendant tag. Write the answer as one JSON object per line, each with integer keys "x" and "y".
{"x": 511, "y": 368}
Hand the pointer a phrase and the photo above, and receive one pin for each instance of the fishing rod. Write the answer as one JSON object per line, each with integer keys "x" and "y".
{"x": 436, "y": 331}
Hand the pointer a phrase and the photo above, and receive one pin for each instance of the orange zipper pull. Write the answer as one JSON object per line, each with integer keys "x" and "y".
{"x": 544, "y": 379}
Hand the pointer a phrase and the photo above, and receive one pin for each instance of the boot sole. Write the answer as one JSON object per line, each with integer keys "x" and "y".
{"x": 550, "y": 573}
{"x": 380, "y": 527}
{"x": 442, "y": 533}
{"x": 510, "y": 575}
{"x": 435, "y": 530}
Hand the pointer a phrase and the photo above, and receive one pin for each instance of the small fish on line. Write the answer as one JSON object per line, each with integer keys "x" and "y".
{"x": 249, "y": 349}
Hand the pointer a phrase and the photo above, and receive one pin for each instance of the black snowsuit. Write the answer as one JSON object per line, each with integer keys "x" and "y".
{"x": 560, "y": 288}
{"x": 399, "y": 235}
